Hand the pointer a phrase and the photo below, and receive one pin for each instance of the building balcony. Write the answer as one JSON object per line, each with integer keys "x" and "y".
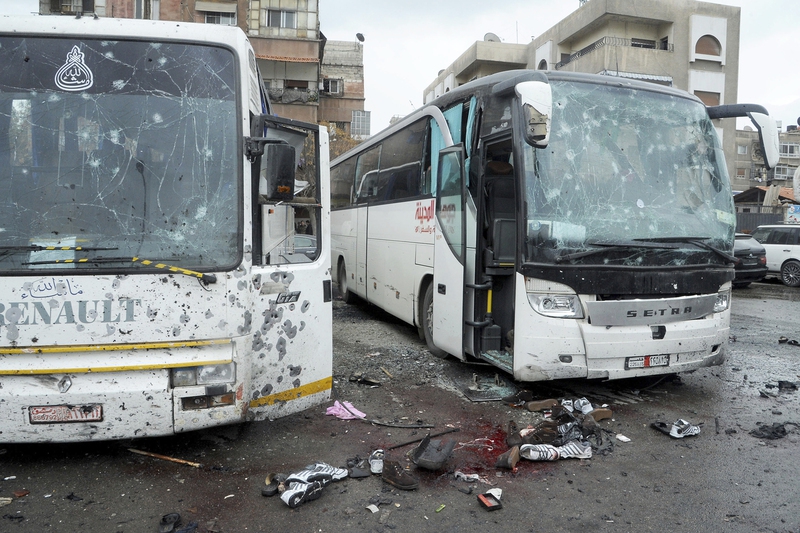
{"x": 293, "y": 96}
{"x": 618, "y": 42}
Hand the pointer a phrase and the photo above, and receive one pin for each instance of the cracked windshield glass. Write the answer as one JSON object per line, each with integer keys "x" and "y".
{"x": 629, "y": 178}
{"x": 110, "y": 151}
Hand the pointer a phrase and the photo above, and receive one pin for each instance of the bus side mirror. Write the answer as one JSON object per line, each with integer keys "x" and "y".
{"x": 768, "y": 135}
{"x": 276, "y": 176}
{"x": 536, "y": 100}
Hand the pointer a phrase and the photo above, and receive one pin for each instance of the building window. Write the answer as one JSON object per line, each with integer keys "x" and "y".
{"x": 708, "y": 98}
{"x": 281, "y": 19}
{"x": 227, "y": 19}
{"x": 643, "y": 43}
{"x": 708, "y": 45}
{"x": 741, "y": 149}
{"x": 542, "y": 64}
{"x": 332, "y": 86}
{"x": 783, "y": 172}
{"x": 72, "y": 6}
{"x": 790, "y": 150}
{"x": 359, "y": 127}
{"x": 741, "y": 173}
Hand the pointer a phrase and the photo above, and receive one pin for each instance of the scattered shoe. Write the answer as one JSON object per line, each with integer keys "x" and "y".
{"x": 169, "y": 522}
{"x": 661, "y": 426}
{"x": 508, "y": 459}
{"x": 518, "y": 398}
{"x": 583, "y": 405}
{"x": 299, "y": 492}
{"x": 783, "y": 340}
{"x": 540, "y": 405}
{"x": 274, "y": 484}
{"x": 539, "y": 452}
{"x": 567, "y": 404}
{"x": 322, "y": 472}
{"x": 545, "y": 432}
{"x": 376, "y": 461}
{"x": 601, "y": 413}
{"x": 561, "y": 415}
{"x": 567, "y": 432}
{"x": 397, "y": 476}
{"x": 360, "y": 469}
{"x": 575, "y": 450}
{"x": 681, "y": 428}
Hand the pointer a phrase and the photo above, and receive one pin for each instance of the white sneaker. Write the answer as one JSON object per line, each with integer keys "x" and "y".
{"x": 681, "y": 428}
{"x": 539, "y": 452}
{"x": 575, "y": 450}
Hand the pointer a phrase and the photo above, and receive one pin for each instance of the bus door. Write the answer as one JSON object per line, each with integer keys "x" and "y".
{"x": 449, "y": 252}
{"x": 497, "y": 242}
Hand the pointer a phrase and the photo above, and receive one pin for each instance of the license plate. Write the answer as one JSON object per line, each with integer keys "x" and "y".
{"x": 646, "y": 361}
{"x": 61, "y": 414}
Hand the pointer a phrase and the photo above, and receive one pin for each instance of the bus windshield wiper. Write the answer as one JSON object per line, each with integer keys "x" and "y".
{"x": 700, "y": 242}
{"x": 8, "y": 250}
{"x": 610, "y": 246}
{"x": 208, "y": 278}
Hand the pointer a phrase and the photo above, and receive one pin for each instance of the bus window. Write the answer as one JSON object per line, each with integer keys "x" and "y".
{"x": 367, "y": 175}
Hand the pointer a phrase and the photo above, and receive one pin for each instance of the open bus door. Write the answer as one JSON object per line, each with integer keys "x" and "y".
{"x": 449, "y": 252}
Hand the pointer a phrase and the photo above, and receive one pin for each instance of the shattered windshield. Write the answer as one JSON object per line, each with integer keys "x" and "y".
{"x": 630, "y": 177}
{"x": 111, "y": 150}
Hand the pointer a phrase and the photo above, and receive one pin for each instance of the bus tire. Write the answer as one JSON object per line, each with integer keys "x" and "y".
{"x": 346, "y": 294}
{"x": 427, "y": 323}
{"x": 790, "y": 273}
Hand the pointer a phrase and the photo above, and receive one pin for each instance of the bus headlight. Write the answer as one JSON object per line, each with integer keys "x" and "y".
{"x": 204, "y": 375}
{"x": 556, "y": 305}
{"x": 723, "y": 301}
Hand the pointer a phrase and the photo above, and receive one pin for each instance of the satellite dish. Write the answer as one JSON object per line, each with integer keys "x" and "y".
{"x": 491, "y": 37}
{"x": 360, "y": 37}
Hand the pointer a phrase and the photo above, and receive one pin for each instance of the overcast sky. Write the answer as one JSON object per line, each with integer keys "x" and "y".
{"x": 407, "y": 43}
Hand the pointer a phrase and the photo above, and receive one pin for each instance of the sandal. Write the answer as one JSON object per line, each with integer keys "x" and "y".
{"x": 783, "y": 340}
{"x": 793, "y": 343}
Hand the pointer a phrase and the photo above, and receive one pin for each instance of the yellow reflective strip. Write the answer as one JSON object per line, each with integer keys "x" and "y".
{"x": 294, "y": 394}
{"x": 113, "y": 347}
{"x": 103, "y": 369}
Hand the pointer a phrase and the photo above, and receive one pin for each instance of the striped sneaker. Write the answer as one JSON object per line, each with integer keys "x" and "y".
{"x": 575, "y": 450}
{"x": 539, "y": 452}
{"x": 681, "y": 428}
{"x": 300, "y": 492}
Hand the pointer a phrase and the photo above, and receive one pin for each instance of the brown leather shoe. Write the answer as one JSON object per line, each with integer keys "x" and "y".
{"x": 508, "y": 459}
{"x": 541, "y": 405}
{"x": 397, "y": 476}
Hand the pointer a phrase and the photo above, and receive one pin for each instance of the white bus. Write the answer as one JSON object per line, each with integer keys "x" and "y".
{"x": 149, "y": 283}
{"x": 556, "y": 225}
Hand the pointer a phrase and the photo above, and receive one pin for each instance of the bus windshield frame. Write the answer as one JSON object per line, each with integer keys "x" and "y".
{"x": 115, "y": 150}
{"x": 630, "y": 178}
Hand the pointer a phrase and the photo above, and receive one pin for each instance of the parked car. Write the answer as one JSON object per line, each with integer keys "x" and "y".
{"x": 306, "y": 245}
{"x": 752, "y": 265}
{"x": 782, "y": 243}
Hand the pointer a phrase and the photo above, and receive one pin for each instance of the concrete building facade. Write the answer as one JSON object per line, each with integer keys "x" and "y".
{"x": 286, "y": 38}
{"x": 685, "y": 44}
{"x": 341, "y": 96}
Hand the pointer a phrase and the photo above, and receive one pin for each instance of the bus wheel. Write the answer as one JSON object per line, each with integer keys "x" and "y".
{"x": 427, "y": 323}
{"x": 790, "y": 274}
{"x": 346, "y": 295}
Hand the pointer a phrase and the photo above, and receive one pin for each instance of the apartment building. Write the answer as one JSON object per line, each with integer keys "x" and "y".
{"x": 749, "y": 161}
{"x": 685, "y": 44}
{"x": 288, "y": 44}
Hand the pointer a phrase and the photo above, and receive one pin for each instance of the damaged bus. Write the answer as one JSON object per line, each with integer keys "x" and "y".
{"x": 150, "y": 282}
{"x": 553, "y": 224}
